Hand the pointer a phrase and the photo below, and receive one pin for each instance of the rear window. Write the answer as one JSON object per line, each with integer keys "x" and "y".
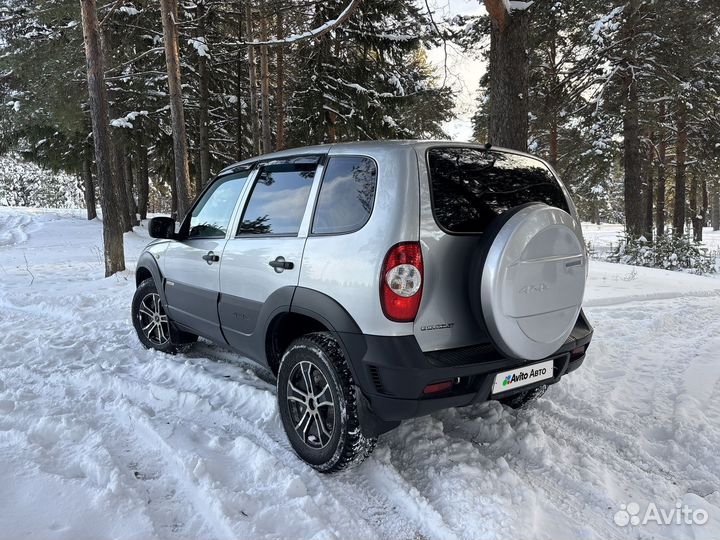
{"x": 470, "y": 187}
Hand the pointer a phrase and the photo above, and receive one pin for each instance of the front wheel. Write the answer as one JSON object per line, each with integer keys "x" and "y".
{"x": 318, "y": 405}
{"x": 153, "y": 327}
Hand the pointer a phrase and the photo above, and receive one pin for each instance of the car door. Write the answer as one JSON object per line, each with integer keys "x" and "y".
{"x": 192, "y": 263}
{"x": 263, "y": 258}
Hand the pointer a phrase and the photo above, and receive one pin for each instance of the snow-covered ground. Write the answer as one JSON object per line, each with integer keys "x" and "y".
{"x": 100, "y": 438}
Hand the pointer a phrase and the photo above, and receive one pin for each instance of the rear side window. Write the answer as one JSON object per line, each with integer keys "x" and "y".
{"x": 470, "y": 187}
{"x": 346, "y": 196}
{"x": 278, "y": 200}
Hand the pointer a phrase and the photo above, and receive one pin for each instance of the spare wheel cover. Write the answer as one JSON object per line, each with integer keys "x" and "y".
{"x": 533, "y": 281}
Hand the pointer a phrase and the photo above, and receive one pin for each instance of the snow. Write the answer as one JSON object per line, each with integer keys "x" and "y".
{"x": 603, "y": 237}
{"x": 127, "y": 120}
{"x": 100, "y": 438}
{"x": 130, "y": 10}
{"x": 516, "y": 5}
{"x": 315, "y": 32}
{"x": 200, "y": 46}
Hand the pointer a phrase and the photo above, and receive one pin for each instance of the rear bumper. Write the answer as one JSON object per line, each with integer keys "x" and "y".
{"x": 392, "y": 373}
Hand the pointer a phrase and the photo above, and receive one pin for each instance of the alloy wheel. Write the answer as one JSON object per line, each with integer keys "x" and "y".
{"x": 153, "y": 320}
{"x": 311, "y": 405}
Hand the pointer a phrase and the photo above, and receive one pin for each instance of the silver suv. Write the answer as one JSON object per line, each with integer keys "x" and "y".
{"x": 378, "y": 281}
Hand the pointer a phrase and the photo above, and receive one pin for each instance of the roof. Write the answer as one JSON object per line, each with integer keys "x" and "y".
{"x": 364, "y": 146}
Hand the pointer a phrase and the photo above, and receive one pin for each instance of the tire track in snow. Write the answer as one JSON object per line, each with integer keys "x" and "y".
{"x": 171, "y": 394}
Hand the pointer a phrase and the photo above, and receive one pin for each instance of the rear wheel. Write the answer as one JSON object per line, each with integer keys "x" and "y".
{"x": 318, "y": 405}
{"x": 153, "y": 326}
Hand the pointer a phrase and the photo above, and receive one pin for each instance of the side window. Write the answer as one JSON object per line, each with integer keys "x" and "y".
{"x": 346, "y": 196}
{"x": 211, "y": 216}
{"x": 278, "y": 200}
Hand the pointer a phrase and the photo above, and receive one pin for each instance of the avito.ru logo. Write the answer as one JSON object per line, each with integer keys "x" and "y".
{"x": 682, "y": 514}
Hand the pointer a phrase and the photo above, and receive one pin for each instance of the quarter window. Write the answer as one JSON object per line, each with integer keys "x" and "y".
{"x": 278, "y": 200}
{"x": 211, "y": 216}
{"x": 346, "y": 196}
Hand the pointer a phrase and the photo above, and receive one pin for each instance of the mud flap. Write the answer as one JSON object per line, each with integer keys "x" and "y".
{"x": 371, "y": 425}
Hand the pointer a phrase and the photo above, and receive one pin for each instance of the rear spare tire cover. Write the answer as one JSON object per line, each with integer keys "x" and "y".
{"x": 532, "y": 281}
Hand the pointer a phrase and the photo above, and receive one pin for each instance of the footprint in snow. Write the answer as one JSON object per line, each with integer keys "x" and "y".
{"x": 6, "y": 406}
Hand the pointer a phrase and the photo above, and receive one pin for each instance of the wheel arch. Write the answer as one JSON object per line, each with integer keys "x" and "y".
{"x": 310, "y": 311}
{"x": 147, "y": 267}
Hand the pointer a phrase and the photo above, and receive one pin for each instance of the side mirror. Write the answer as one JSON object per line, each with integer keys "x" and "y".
{"x": 162, "y": 227}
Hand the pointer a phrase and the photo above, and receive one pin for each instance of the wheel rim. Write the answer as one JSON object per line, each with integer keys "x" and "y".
{"x": 153, "y": 320}
{"x": 312, "y": 408}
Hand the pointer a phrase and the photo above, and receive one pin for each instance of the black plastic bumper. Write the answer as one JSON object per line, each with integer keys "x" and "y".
{"x": 392, "y": 372}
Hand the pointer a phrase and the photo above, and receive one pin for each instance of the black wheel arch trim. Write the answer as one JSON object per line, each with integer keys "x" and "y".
{"x": 148, "y": 262}
{"x": 339, "y": 323}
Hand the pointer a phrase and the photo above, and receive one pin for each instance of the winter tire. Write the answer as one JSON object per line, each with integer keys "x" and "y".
{"x": 318, "y": 404}
{"x": 152, "y": 324}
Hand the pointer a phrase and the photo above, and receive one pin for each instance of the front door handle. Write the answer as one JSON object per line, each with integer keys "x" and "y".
{"x": 280, "y": 264}
{"x": 210, "y": 257}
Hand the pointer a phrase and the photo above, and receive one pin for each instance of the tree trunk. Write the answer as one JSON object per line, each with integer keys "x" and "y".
{"x": 634, "y": 221}
{"x": 681, "y": 145}
{"x": 169, "y": 12}
{"x": 662, "y": 156}
{"x": 715, "y": 196}
{"x": 117, "y": 142}
{"x": 555, "y": 100}
{"x": 173, "y": 197}
{"x": 265, "y": 88}
{"x": 280, "y": 86}
{"x": 252, "y": 80}
{"x": 112, "y": 227}
{"x": 509, "y": 66}
{"x": 631, "y": 159}
{"x": 705, "y": 202}
{"x": 648, "y": 188}
{"x": 129, "y": 187}
{"x": 239, "y": 94}
{"x": 695, "y": 217}
{"x": 143, "y": 175}
{"x": 204, "y": 107}
{"x": 88, "y": 185}
{"x": 117, "y": 151}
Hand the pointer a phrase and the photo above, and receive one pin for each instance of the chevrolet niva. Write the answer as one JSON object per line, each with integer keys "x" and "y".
{"x": 379, "y": 281}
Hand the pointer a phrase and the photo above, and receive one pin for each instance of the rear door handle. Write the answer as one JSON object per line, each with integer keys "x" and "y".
{"x": 210, "y": 257}
{"x": 280, "y": 264}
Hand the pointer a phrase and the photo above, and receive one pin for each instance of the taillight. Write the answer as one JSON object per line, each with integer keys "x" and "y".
{"x": 401, "y": 282}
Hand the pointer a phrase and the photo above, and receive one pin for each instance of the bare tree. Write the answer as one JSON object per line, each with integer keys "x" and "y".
{"x": 112, "y": 226}
{"x": 169, "y": 12}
